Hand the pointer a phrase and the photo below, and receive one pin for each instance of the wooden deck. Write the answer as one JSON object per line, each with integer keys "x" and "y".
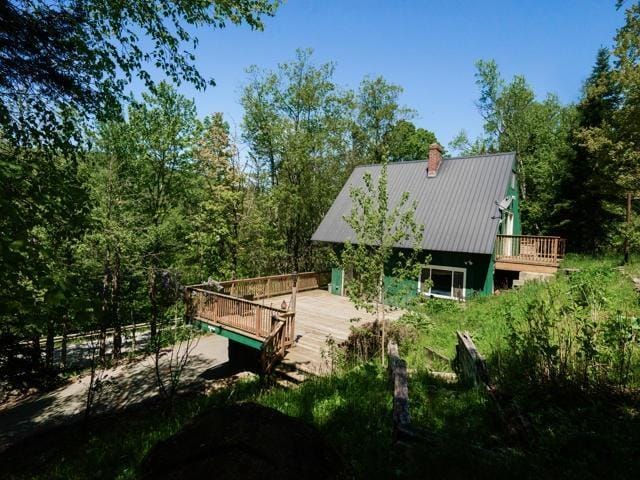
{"x": 320, "y": 316}
{"x": 529, "y": 253}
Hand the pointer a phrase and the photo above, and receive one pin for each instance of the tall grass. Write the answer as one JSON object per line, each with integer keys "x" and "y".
{"x": 566, "y": 351}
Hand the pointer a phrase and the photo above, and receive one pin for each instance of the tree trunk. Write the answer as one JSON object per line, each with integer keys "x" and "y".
{"x": 63, "y": 346}
{"x": 153, "y": 300}
{"x": 380, "y": 317}
{"x": 49, "y": 347}
{"x": 105, "y": 309}
{"x": 115, "y": 309}
{"x": 36, "y": 354}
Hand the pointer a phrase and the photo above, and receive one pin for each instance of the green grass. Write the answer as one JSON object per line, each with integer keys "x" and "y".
{"x": 574, "y": 260}
{"x": 109, "y": 446}
{"x": 579, "y": 432}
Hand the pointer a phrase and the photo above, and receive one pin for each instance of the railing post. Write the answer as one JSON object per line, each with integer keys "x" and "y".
{"x": 258, "y": 319}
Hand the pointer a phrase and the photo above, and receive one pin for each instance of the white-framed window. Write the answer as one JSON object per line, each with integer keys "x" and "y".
{"x": 446, "y": 282}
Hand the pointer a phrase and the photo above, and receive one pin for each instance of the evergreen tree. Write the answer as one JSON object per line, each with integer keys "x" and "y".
{"x": 588, "y": 193}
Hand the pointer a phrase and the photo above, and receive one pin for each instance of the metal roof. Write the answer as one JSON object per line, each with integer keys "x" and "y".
{"x": 457, "y": 207}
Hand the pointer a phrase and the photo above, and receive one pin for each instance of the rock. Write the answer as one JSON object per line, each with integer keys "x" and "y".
{"x": 244, "y": 376}
{"x": 245, "y": 441}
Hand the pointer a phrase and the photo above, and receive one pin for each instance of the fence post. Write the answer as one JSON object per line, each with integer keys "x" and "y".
{"x": 400, "y": 384}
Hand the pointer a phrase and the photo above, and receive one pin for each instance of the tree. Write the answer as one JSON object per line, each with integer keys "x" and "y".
{"x": 219, "y": 210}
{"x": 538, "y": 131}
{"x": 111, "y": 248}
{"x": 43, "y": 213}
{"x": 613, "y": 143}
{"x": 379, "y": 229}
{"x": 80, "y": 54}
{"x": 587, "y": 211}
{"x": 378, "y": 114}
{"x": 164, "y": 129}
{"x": 296, "y": 123}
{"x": 406, "y": 142}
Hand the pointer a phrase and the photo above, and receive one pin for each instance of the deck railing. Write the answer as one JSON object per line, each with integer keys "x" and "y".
{"x": 274, "y": 285}
{"x": 530, "y": 249}
{"x": 246, "y": 316}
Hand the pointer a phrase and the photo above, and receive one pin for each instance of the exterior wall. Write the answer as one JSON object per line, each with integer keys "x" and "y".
{"x": 513, "y": 191}
{"x": 479, "y": 268}
{"x": 337, "y": 275}
{"x": 479, "y": 275}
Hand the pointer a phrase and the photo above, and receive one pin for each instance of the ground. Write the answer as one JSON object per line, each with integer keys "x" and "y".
{"x": 319, "y": 316}
{"x": 124, "y": 385}
{"x": 245, "y": 441}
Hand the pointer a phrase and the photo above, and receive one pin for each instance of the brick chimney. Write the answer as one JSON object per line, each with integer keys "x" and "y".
{"x": 435, "y": 159}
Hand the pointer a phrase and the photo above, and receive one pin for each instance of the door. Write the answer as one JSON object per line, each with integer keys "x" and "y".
{"x": 337, "y": 278}
{"x": 508, "y": 230}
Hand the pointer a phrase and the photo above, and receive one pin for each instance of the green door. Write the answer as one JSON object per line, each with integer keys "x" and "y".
{"x": 337, "y": 276}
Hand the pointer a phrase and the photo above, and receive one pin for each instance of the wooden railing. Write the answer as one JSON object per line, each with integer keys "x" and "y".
{"x": 530, "y": 249}
{"x": 274, "y": 285}
{"x": 245, "y": 316}
{"x": 274, "y": 346}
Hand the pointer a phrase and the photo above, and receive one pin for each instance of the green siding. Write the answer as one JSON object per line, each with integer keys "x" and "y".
{"x": 515, "y": 206}
{"x": 336, "y": 281}
{"x": 479, "y": 278}
{"x": 399, "y": 291}
{"x": 236, "y": 337}
{"x": 479, "y": 275}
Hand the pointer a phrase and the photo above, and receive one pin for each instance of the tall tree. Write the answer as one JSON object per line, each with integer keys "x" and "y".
{"x": 379, "y": 229}
{"x": 110, "y": 250}
{"x": 537, "y": 131}
{"x": 164, "y": 128}
{"x": 82, "y": 53}
{"x": 406, "y": 142}
{"x": 614, "y": 143}
{"x": 296, "y": 123}
{"x": 218, "y": 212}
{"x": 587, "y": 211}
{"x": 378, "y": 114}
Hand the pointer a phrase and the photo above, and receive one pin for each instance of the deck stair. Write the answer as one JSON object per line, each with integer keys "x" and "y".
{"x": 237, "y": 309}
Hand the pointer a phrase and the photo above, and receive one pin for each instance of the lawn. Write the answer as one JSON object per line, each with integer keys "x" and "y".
{"x": 584, "y": 427}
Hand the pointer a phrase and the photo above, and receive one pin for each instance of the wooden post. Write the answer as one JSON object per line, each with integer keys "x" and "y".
{"x": 294, "y": 291}
{"x": 257, "y": 319}
{"x": 626, "y": 237}
{"x": 400, "y": 384}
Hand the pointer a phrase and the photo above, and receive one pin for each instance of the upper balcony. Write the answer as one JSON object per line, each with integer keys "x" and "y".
{"x": 529, "y": 253}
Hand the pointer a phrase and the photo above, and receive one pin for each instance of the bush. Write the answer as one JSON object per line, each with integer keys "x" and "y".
{"x": 580, "y": 329}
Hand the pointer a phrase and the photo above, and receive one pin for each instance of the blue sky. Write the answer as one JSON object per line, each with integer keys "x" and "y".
{"x": 427, "y": 47}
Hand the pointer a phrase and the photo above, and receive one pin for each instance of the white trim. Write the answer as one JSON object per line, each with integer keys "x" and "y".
{"x": 449, "y": 269}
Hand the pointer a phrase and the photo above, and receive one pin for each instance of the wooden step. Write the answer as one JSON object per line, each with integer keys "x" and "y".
{"x": 289, "y": 373}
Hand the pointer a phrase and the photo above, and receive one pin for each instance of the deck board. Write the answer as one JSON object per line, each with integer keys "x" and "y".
{"x": 320, "y": 315}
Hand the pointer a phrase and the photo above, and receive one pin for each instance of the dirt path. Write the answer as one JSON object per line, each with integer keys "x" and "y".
{"x": 122, "y": 386}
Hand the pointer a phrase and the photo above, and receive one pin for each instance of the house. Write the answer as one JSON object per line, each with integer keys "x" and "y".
{"x": 469, "y": 207}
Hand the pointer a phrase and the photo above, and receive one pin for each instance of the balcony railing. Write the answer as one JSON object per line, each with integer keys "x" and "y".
{"x": 530, "y": 249}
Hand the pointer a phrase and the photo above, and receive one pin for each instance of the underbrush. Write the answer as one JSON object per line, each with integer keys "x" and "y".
{"x": 110, "y": 446}
{"x": 565, "y": 352}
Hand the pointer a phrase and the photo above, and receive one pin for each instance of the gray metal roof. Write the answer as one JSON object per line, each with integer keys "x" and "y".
{"x": 457, "y": 207}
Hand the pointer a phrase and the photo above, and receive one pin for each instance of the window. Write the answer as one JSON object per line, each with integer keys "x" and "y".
{"x": 446, "y": 282}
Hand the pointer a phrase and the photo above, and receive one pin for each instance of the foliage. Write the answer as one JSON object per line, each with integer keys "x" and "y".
{"x": 305, "y": 135}
{"x": 406, "y": 142}
{"x": 78, "y": 55}
{"x": 295, "y": 123}
{"x": 537, "y": 131}
{"x": 380, "y": 119}
{"x": 379, "y": 228}
{"x": 588, "y": 210}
